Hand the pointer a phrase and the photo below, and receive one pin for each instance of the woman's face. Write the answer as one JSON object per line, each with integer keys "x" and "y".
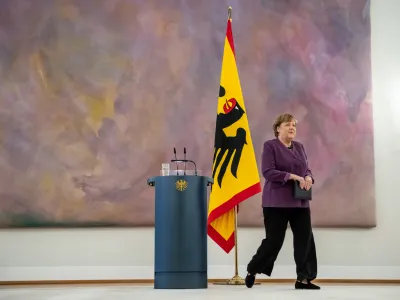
{"x": 287, "y": 130}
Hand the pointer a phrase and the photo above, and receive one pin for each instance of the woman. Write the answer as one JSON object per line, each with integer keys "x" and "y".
{"x": 284, "y": 161}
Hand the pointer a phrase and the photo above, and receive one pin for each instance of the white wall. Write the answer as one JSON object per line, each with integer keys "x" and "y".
{"x": 343, "y": 253}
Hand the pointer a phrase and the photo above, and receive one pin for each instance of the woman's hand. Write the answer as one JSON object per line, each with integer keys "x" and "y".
{"x": 301, "y": 180}
{"x": 308, "y": 182}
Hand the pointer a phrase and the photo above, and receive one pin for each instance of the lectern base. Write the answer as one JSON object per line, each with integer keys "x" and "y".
{"x": 181, "y": 280}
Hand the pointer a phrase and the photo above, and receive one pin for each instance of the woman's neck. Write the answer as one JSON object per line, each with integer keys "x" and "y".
{"x": 286, "y": 142}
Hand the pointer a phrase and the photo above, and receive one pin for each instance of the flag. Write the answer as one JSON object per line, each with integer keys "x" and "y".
{"x": 235, "y": 171}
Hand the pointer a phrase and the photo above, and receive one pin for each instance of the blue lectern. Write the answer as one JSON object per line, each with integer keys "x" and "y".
{"x": 180, "y": 231}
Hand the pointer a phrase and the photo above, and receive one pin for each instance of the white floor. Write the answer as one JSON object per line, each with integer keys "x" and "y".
{"x": 276, "y": 292}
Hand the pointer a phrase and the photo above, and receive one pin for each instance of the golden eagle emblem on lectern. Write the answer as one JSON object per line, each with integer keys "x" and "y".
{"x": 181, "y": 185}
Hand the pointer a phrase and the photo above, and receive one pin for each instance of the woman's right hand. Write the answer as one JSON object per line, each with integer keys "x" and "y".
{"x": 302, "y": 182}
{"x": 300, "y": 179}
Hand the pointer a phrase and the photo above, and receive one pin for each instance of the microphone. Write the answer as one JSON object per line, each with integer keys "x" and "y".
{"x": 184, "y": 158}
{"x": 176, "y": 160}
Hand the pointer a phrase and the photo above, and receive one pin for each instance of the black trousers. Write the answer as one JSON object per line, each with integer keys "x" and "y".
{"x": 275, "y": 222}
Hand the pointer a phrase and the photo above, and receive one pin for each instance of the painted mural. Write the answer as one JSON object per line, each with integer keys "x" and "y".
{"x": 94, "y": 95}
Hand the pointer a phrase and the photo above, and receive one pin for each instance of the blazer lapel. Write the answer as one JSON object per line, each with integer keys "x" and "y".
{"x": 295, "y": 153}
{"x": 286, "y": 150}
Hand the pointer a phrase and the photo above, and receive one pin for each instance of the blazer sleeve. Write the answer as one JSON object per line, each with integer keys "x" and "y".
{"x": 269, "y": 170}
{"x": 308, "y": 171}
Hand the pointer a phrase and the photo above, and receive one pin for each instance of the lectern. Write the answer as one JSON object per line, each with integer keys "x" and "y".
{"x": 180, "y": 231}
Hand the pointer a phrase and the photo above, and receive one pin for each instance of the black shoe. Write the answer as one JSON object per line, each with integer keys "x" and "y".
{"x": 306, "y": 286}
{"x": 249, "y": 280}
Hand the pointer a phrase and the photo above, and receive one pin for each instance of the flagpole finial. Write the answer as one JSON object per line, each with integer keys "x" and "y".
{"x": 229, "y": 12}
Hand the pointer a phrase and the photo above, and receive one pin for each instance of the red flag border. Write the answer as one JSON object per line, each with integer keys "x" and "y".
{"x": 229, "y": 36}
{"x": 227, "y": 245}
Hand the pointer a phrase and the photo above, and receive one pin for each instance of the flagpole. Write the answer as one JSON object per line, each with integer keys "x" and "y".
{"x": 236, "y": 279}
{"x": 229, "y": 12}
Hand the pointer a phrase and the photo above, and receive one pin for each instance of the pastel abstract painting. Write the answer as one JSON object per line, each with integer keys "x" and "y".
{"x": 95, "y": 94}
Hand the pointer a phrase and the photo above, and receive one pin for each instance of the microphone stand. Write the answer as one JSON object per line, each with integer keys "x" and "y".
{"x": 176, "y": 160}
{"x": 186, "y": 160}
{"x": 184, "y": 153}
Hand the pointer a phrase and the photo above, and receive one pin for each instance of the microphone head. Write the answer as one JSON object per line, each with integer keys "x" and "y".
{"x": 184, "y": 150}
{"x": 174, "y": 150}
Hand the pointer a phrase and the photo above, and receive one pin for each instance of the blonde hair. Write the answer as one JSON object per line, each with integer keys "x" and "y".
{"x": 283, "y": 118}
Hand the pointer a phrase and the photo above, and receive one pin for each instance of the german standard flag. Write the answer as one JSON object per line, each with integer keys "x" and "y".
{"x": 235, "y": 170}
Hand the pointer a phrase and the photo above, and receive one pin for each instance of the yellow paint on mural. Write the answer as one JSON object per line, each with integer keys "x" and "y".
{"x": 37, "y": 63}
{"x": 100, "y": 108}
{"x": 47, "y": 184}
{"x": 68, "y": 11}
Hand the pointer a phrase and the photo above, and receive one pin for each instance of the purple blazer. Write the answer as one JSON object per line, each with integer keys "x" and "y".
{"x": 278, "y": 162}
